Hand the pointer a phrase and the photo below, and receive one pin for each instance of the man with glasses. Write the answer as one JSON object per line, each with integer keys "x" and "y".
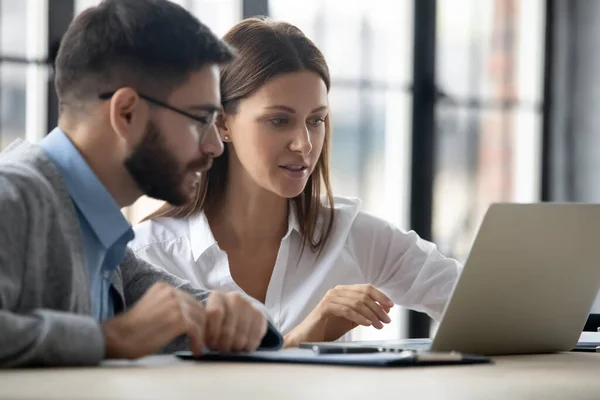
{"x": 138, "y": 86}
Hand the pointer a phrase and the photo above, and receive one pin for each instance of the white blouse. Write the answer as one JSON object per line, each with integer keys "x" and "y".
{"x": 361, "y": 249}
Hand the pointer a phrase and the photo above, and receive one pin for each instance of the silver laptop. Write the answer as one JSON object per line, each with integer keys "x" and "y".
{"x": 528, "y": 285}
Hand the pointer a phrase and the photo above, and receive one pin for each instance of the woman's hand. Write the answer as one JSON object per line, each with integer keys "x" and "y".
{"x": 342, "y": 309}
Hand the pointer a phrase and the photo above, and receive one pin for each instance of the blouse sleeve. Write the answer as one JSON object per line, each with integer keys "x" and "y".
{"x": 410, "y": 270}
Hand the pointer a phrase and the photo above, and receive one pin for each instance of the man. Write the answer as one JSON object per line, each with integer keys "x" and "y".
{"x": 138, "y": 86}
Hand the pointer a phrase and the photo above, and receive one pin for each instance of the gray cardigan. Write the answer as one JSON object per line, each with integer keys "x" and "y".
{"x": 45, "y": 316}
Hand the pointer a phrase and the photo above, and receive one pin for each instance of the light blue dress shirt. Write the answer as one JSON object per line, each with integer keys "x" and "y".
{"x": 104, "y": 229}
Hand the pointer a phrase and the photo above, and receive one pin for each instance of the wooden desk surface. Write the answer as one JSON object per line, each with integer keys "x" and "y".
{"x": 555, "y": 376}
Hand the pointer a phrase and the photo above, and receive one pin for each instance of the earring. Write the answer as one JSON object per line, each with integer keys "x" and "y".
{"x": 226, "y": 138}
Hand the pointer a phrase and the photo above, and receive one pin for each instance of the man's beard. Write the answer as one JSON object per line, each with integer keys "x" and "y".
{"x": 156, "y": 171}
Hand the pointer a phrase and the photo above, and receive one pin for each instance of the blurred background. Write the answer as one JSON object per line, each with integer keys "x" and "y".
{"x": 440, "y": 108}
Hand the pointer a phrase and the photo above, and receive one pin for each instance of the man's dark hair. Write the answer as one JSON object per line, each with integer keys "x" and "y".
{"x": 149, "y": 45}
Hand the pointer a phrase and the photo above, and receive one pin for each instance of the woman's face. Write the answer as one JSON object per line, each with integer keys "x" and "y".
{"x": 276, "y": 136}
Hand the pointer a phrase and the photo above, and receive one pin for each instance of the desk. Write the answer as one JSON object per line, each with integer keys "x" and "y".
{"x": 554, "y": 376}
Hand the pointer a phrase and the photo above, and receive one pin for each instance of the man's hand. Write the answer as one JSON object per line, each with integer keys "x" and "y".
{"x": 342, "y": 309}
{"x": 233, "y": 323}
{"x": 162, "y": 314}
{"x": 227, "y": 323}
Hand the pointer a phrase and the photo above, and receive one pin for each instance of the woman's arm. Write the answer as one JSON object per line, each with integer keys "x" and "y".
{"x": 410, "y": 270}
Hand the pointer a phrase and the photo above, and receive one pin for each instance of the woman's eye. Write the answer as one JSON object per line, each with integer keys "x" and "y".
{"x": 317, "y": 121}
{"x": 278, "y": 121}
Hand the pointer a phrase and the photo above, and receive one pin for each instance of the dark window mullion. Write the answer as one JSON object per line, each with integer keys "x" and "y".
{"x": 60, "y": 14}
{"x": 253, "y": 8}
{"x": 423, "y": 136}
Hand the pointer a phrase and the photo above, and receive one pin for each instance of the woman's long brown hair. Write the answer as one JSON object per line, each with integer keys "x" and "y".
{"x": 266, "y": 49}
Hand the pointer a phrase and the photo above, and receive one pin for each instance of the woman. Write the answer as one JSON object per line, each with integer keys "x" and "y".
{"x": 259, "y": 224}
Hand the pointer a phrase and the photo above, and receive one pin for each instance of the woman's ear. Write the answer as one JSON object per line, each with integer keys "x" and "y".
{"x": 222, "y": 124}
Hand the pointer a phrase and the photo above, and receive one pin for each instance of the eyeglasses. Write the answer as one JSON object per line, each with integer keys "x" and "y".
{"x": 204, "y": 123}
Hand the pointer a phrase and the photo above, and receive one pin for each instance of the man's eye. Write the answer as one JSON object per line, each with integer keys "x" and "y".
{"x": 203, "y": 120}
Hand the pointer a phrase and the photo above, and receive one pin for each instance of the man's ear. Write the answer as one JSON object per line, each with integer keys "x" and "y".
{"x": 128, "y": 115}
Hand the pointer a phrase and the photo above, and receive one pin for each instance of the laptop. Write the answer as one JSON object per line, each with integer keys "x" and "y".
{"x": 527, "y": 287}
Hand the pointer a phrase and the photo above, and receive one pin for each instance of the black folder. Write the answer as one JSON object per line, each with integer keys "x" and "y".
{"x": 376, "y": 359}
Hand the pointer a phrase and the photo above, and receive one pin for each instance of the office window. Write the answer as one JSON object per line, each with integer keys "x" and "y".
{"x": 81, "y": 5}
{"x": 368, "y": 47}
{"x": 488, "y": 121}
{"x": 218, "y": 15}
{"x": 23, "y": 84}
{"x": 13, "y": 75}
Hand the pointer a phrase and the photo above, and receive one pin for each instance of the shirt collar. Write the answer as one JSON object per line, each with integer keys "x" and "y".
{"x": 202, "y": 238}
{"x": 90, "y": 196}
{"x": 293, "y": 224}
